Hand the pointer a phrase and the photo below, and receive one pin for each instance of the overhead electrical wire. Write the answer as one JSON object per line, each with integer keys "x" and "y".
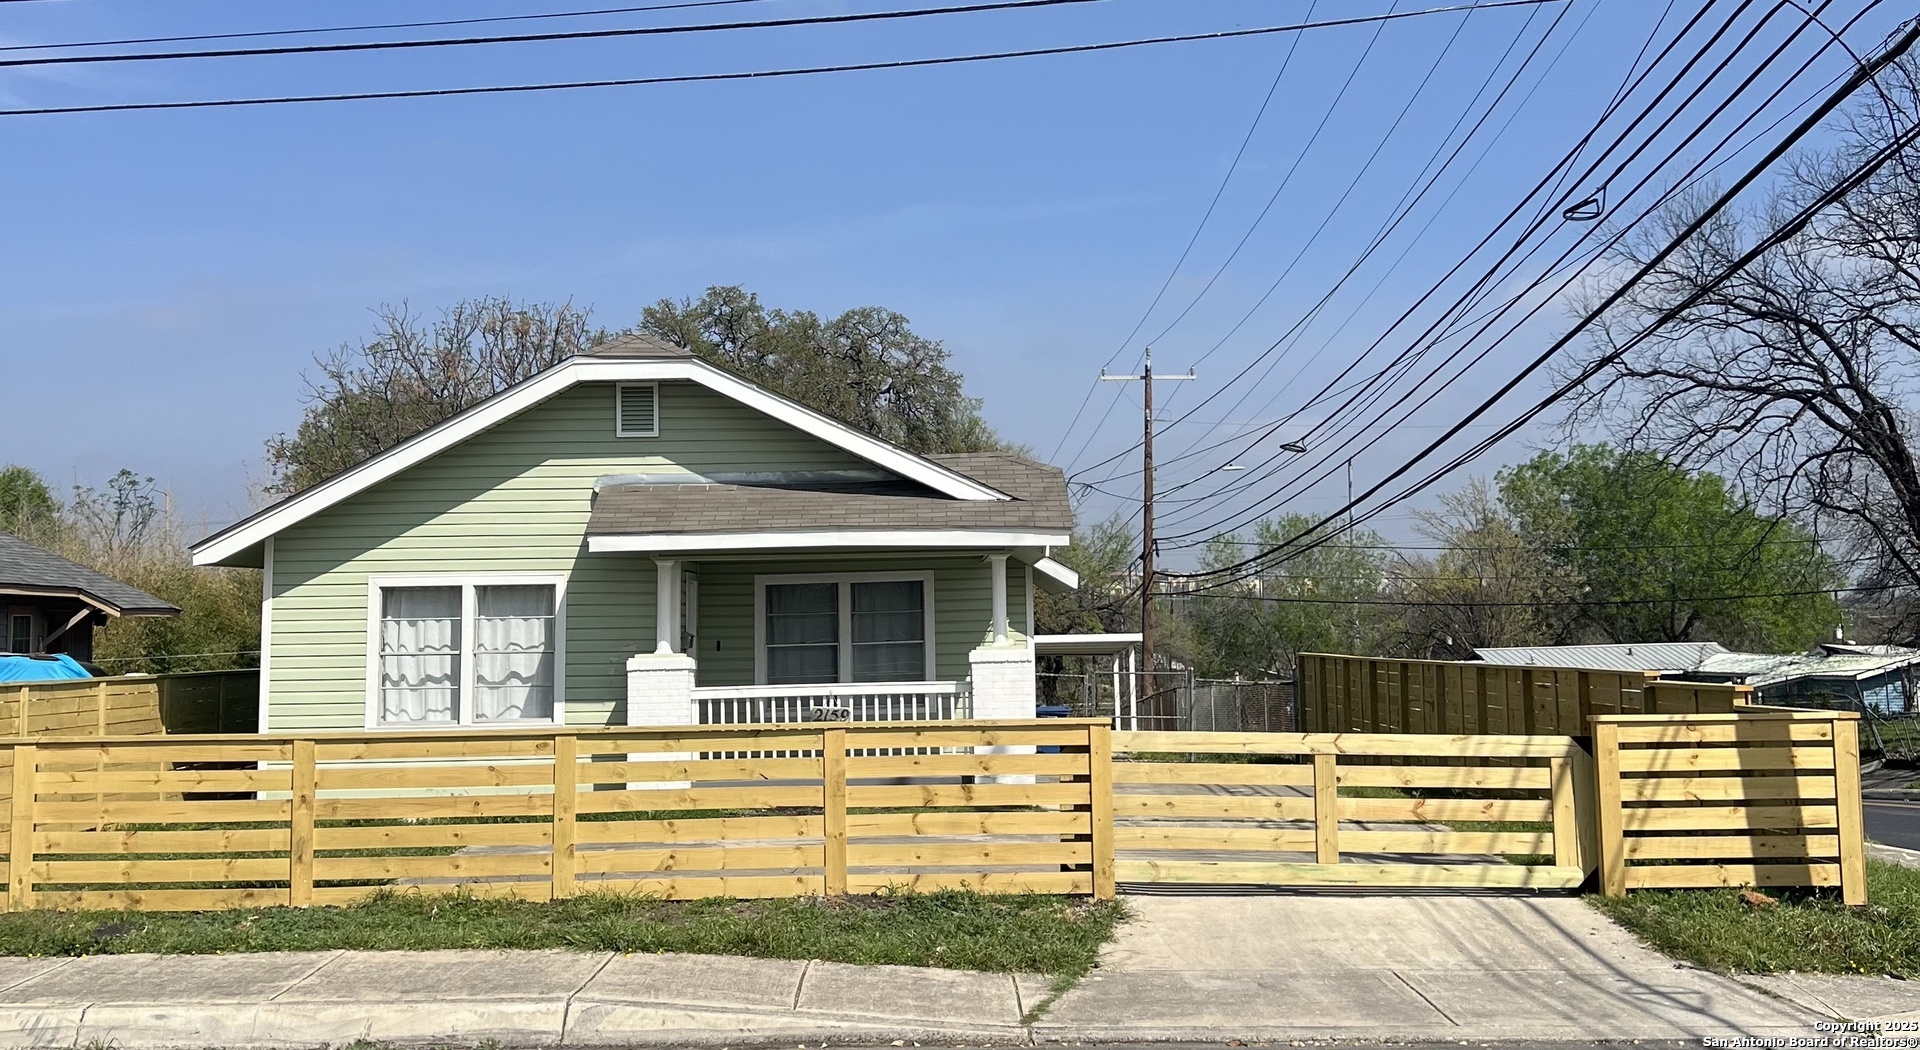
{"x": 1897, "y": 46}
{"x": 1296, "y": 327}
{"x": 1488, "y": 278}
{"x": 1332, "y": 457}
{"x": 375, "y": 27}
{"x": 548, "y": 37}
{"x": 762, "y": 74}
{"x": 1292, "y": 44}
{"x": 1285, "y": 180}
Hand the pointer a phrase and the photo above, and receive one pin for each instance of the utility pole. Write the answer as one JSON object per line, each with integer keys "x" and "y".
{"x": 1146, "y": 516}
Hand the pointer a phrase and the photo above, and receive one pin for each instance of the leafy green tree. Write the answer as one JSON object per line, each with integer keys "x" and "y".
{"x": 411, "y": 375}
{"x": 866, "y": 367}
{"x": 1326, "y": 599}
{"x": 1661, "y": 554}
{"x": 27, "y": 506}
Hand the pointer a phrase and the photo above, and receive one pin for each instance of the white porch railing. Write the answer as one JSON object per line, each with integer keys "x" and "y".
{"x": 871, "y": 702}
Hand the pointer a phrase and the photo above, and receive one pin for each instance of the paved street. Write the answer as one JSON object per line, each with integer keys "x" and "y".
{"x": 1894, "y": 823}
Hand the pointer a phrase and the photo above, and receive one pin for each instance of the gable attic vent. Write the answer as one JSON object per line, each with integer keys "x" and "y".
{"x": 637, "y": 410}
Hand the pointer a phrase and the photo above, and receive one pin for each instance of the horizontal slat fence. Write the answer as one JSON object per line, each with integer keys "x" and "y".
{"x": 1358, "y": 694}
{"x": 132, "y": 705}
{"x": 1306, "y": 814}
{"x": 1764, "y": 797}
{"x": 194, "y": 823}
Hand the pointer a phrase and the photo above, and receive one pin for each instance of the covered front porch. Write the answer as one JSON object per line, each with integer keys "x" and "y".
{"x": 810, "y": 635}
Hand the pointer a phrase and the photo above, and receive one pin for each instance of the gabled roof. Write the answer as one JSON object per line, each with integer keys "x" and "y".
{"x": 32, "y": 570}
{"x": 649, "y": 514}
{"x": 629, "y": 359}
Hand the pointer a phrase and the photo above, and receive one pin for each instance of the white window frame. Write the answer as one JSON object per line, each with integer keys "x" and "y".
{"x": 844, "y": 629}
{"x": 468, "y": 606}
{"x": 619, "y": 423}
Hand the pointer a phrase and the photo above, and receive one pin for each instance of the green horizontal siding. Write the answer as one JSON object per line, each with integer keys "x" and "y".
{"x": 512, "y": 499}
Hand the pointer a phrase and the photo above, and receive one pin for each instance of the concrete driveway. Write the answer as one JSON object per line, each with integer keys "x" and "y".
{"x": 1413, "y": 967}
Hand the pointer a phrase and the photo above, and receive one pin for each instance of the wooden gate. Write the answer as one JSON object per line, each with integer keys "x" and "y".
{"x": 1294, "y": 809}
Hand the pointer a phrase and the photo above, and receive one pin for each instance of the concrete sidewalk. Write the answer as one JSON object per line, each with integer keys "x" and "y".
{"x": 1200, "y": 967}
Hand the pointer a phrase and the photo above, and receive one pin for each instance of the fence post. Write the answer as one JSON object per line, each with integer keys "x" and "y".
{"x": 833, "y": 809}
{"x": 1326, "y": 810}
{"x": 1100, "y": 808}
{"x": 1566, "y": 839}
{"x": 1586, "y": 810}
{"x": 566, "y": 786}
{"x": 100, "y": 703}
{"x": 20, "y": 836}
{"x": 1846, "y": 781}
{"x": 1608, "y": 815}
{"x": 300, "y": 827}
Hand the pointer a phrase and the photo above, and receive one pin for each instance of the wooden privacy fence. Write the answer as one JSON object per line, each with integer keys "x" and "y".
{"x": 1760, "y": 797}
{"x": 190, "y": 823}
{"x": 1322, "y": 821}
{"x": 202, "y": 822}
{"x": 133, "y": 705}
{"x": 1358, "y": 694}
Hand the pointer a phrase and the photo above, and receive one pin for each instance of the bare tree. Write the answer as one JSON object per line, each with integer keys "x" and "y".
{"x": 413, "y": 375}
{"x": 1797, "y": 377}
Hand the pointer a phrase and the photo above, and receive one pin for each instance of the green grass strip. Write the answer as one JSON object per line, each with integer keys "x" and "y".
{"x": 1808, "y": 931}
{"x": 955, "y": 930}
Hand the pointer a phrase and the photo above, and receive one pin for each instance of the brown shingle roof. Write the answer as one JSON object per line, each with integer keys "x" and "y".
{"x": 1039, "y": 503}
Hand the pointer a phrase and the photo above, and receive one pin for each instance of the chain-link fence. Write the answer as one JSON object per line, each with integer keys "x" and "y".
{"x": 1179, "y": 701}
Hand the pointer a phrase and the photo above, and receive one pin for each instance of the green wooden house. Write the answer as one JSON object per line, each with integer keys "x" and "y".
{"x": 636, "y": 536}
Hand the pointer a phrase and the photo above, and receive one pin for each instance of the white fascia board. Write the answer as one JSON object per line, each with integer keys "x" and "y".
{"x": 244, "y": 534}
{"x": 1055, "y": 577}
{"x": 811, "y": 538}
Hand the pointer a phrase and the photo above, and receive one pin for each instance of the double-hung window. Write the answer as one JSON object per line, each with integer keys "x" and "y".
{"x": 465, "y": 652}
{"x": 817, "y": 630}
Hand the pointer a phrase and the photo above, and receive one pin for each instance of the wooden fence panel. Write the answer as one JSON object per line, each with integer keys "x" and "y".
{"x": 1693, "y": 800}
{"x": 204, "y": 822}
{"x": 1329, "y": 810}
{"x": 1357, "y": 694}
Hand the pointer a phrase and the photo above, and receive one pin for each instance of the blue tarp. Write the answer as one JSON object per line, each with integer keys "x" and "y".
{"x": 40, "y": 668}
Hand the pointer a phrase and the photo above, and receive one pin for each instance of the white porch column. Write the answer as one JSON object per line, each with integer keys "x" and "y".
{"x": 997, "y": 563}
{"x": 666, "y": 611}
{"x": 660, "y": 683}
{"x": 1003, "y": 687}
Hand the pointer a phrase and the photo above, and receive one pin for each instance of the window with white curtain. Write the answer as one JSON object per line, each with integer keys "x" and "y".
{"x": 467, "y": 653}
{"x": 819, "y": 630}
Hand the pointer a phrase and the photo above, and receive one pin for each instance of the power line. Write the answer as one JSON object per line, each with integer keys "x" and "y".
{"x": 1287, "y": 60}
{"x": 1576, "y": 602}
{"x": 1333, "y": 456}
{"x": 259, "y": 33}
{"x": 764, "y": 74}
{"x": 522, "y": 38}
{"x": 1897, "y": 46}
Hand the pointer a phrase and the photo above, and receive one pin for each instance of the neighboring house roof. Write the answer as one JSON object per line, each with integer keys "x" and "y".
{"x": 1713, "y": 660}
{"x": 661, "y": 513}
{"x": 1637, "y": 656}
{"x": 629, "y": 359}
{"x": 1836, "y": 661}
{"x": 26, "y": 569}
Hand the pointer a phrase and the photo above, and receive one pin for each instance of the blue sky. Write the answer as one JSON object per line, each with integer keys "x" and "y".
{"x": 182, "y": 268}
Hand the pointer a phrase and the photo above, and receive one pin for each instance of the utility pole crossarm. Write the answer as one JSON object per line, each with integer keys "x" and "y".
{"x": 1146, "y": 516}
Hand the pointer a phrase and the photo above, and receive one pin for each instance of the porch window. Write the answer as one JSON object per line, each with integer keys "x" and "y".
{"x": 850, "y": 629}
{"x": 467, "y": 653}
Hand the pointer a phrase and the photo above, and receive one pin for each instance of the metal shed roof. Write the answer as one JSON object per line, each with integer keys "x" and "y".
{"x": 1635, "y": 656}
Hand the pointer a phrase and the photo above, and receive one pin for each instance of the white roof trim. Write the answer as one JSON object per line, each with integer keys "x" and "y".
{"x": 244, "y": 534}
{"x": 807, "y": 538}
{"x": 1065, "y": 579}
